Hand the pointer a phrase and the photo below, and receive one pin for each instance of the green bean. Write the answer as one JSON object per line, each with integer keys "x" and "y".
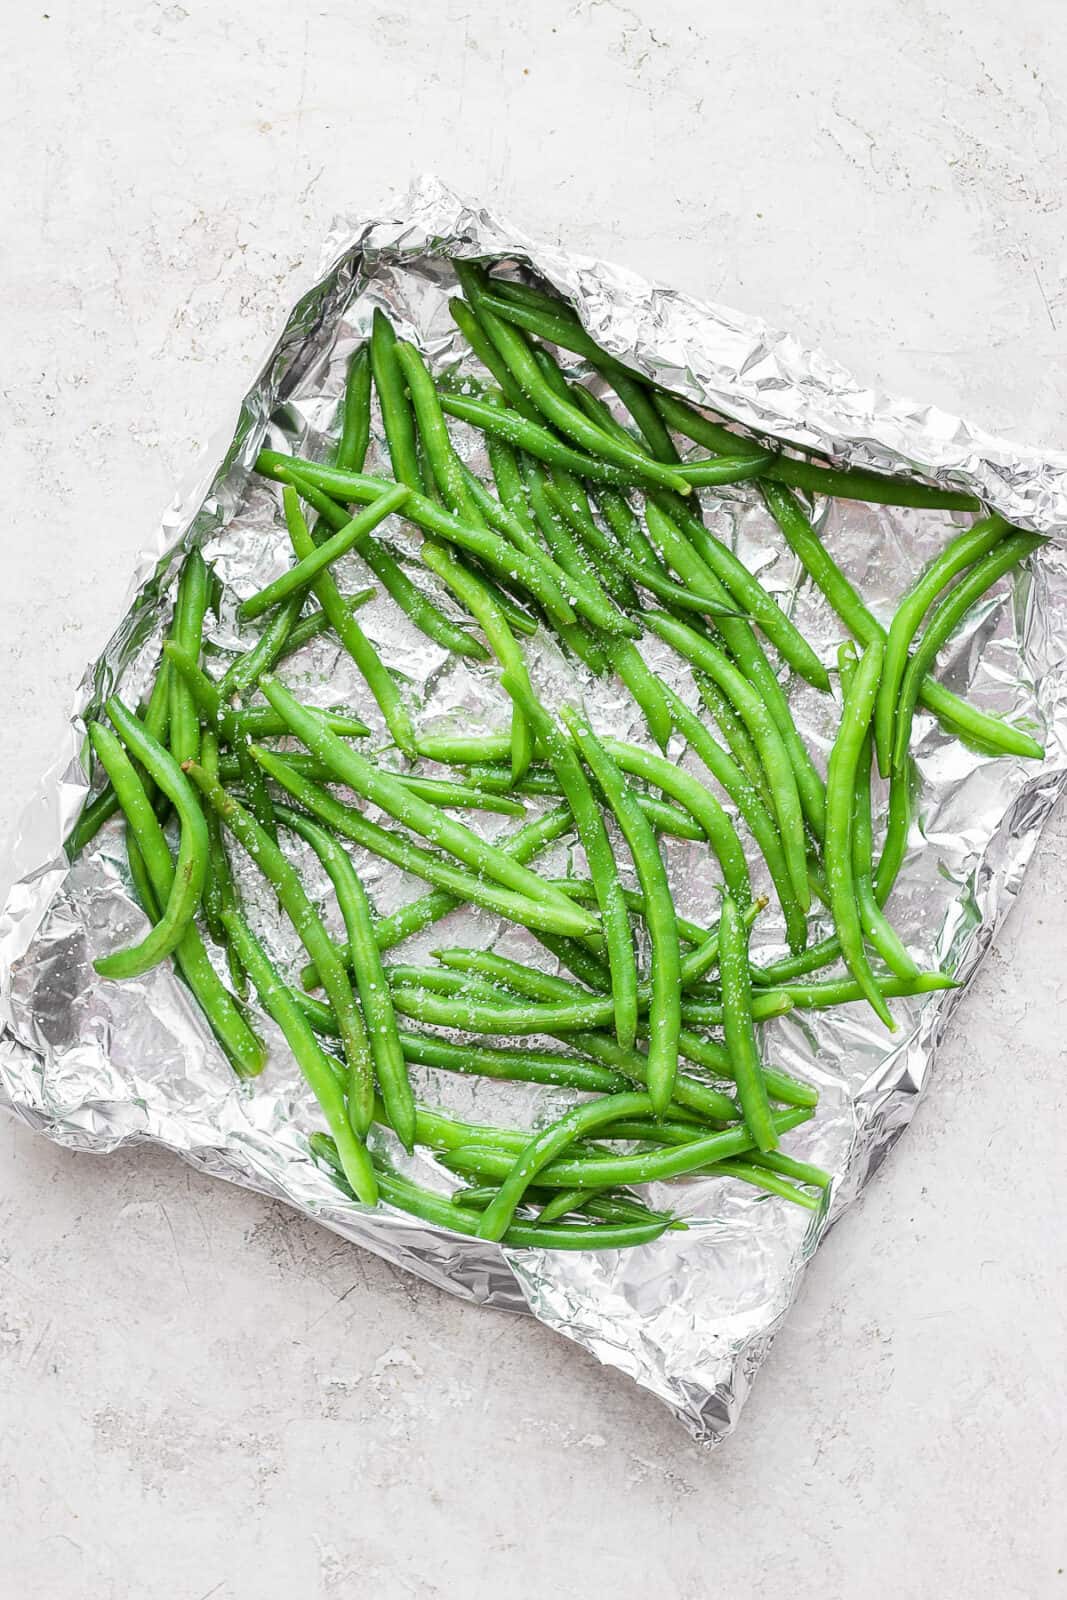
{"x": 840, "y": 796}
{"x": 218, "y": 884}
{"x": 312, "y": 1061}
{"x": 582, "y": 889}
{"x": 397, "y": 418}
{"x": 795, "y": 966}
{"x": 956, "y": 716}
{"x": 848, "y": 484}
{"x": 355, "y": 641}
{"x": 764, "y": 731}
{"x": 557, "y": 327}
{"x": 283, "y": 877}
{"x": 190, "y": 871}
{"x": 663, "y": 1017}
{"x": 561, "y": 413}
{"x": 631, "y": 1063}
{"x": 187, "y": 630}
{"x": 549, "y": 1143}
{"x": 570, "y": 499}
{"x": 272, "y": 644}
{"x": 429, "y": 418}
{"x": 789, "y": 1167}
{"x": 244, "y": 1050}
{"x": 963, "y": 551}
{"x": 877, "y": 927}
{"x": 355, "y": 412}
{"x": 760, "y": 823}
{"x": 841, "y": 991}
{"x": 315, "y": 623}
{"x": 637, "y": 558}
{"x": 769, "y": 1182}
{"x": 537, "y": 573}
{"x": 567, "y": 1203}
{"x": 524, "y": 844}
{"x": 440, "y": 1212}
{"x": 440, "y": 790}
{"x": 536, "y": 440}
{"x": 322, "y": 556}
{"x": 385, "y": 1047}
{"x": 416, "y": 606}
{"x": 638, "y": 402}
{"x": 767, "y": 1003}
{"x": 713, "y": 1056}
{"x": 895, "y": 844}
{"x": 404, "y": 853}
{"x": 697, "y": 800}
{"x": 655, "y": 1166}
{"x": 663, "y": 817}
{"x": 679, "y": 553}
{"x": 944, "y": 622}
{"x": 597, "y": 846}
{"x": 738, "y": 1026}
{"x": 747, "y": 593}
{"x": 383, "y": 790}
{"x": 519, "y": 1066}
{"x": 737, "y": 737}
{"x": 481, "y": 605}
{"x": 497, "y": 1017}
{"x": 589, "y": 597}
{"x": 155, "y": 720}
{"x": 489, "y": 355}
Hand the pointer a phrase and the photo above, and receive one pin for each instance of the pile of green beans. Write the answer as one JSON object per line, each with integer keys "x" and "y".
{"x": 592, "y": 529}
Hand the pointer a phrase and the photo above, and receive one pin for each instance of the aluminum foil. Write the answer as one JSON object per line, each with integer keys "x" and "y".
{"x": 94, "y": 1064}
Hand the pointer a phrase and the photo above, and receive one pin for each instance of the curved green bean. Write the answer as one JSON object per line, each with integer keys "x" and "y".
{"x": 190, "y": 870}
{"x": 781, "y": 777}
{"x": 281, "y": 874}
{"x": 956, "y": 716}
{"x": 961, "y": 553}
{"x": 244, "y": 1050}
{"x": 310, "y": 1058}
{"x": 663, "y": 1013}
{"x": 944, "y": 622}
{"x": 385, "y": 1048}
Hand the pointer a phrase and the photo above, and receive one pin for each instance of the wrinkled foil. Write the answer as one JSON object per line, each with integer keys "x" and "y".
{"x": 95, "y": 1065}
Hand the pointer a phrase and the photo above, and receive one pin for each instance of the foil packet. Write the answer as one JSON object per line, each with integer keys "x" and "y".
{"x": 94, "y": 1065}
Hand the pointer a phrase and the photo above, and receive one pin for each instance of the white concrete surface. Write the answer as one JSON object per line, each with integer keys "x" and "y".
{"x": 203, "y": 1397}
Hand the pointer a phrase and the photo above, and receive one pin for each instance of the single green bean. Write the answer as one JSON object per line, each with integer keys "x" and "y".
{"x": 355, "y": 412}
{"x": 738, "y": 1025}
{"x": 842, "y": 991}
{"x": 697, "y": 800}
{"x": 272, "y": 644}
{"x": 847, "y": 484}
{"x": 759, "y": 820}
{"x": 614, "y": 915}
{"x": 549, "y": 1143}
{"x": 187, "y": 630}
{"x": 397, "y": 418}
{"x": 519, "y": 1066}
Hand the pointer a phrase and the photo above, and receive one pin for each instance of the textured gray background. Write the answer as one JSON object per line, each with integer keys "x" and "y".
{"x": 202, "y": 1395}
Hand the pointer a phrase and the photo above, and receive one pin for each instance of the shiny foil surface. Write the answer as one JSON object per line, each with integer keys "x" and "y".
{"x": 94, "y": 1064}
